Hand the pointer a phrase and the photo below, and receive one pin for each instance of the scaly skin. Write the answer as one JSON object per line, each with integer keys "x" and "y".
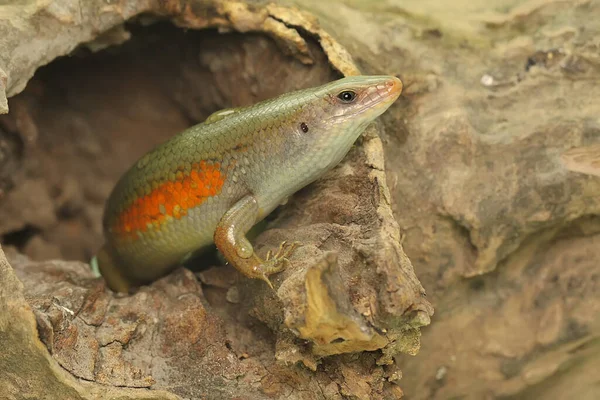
{"x": 214, "y": 181}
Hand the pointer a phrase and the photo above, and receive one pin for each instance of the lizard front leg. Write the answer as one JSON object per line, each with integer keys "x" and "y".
{"x": 230, "y": 238}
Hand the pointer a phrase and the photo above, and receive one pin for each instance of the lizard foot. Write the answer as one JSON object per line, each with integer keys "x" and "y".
{"x": 276, "y": 262}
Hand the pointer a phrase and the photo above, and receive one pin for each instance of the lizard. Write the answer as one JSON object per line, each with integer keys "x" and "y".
{"x": 211, "y": 183}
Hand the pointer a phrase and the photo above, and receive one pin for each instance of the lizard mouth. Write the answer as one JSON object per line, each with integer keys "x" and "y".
{"x": 380, "y": 96}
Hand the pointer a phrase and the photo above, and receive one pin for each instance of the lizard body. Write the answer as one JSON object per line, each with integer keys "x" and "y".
{"x": 214, "y": 181}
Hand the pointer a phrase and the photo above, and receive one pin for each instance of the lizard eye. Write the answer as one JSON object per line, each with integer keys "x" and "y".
{"x": 347, "y": 96}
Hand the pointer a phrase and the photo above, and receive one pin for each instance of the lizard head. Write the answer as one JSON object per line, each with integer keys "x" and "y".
{"x": 313, "y": 129}
{"x": 339, "y": 111}
{"x": 334, "y": 115}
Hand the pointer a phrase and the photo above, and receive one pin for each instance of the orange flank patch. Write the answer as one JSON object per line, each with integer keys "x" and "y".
{"x": 170, "y": 199}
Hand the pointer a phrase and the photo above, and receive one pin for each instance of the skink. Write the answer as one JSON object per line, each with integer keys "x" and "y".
{"x": 214, "y": 181}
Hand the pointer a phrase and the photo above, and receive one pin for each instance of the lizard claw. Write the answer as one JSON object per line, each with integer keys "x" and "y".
{"x": 276, "y": 262}
{"x": 286, "y": 249}
{"x": 265, "y": 278}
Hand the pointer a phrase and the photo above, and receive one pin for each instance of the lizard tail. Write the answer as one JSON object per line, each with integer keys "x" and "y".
{"x": 94, "y": 267}
{"x": 105, "y": 265}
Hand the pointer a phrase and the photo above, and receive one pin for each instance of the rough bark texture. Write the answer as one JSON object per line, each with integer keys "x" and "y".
{"x": 26, "y": 368}
{"x": 81, "y": 121}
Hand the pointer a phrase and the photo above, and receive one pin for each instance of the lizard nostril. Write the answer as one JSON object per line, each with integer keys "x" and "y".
{"x": 394, "y": 85}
